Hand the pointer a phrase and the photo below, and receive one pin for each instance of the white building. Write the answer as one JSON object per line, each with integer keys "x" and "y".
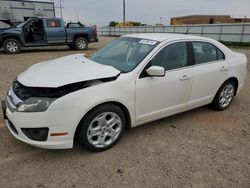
{"x": 17, "y": 11}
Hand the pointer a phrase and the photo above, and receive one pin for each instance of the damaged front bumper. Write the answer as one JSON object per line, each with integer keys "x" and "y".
{"x": 37, "y": 129}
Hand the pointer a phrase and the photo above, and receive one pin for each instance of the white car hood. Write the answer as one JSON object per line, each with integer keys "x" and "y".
{"x": 64, "y": 71}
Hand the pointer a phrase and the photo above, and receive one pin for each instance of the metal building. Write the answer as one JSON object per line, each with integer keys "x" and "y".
{"x": 17, "y": 11}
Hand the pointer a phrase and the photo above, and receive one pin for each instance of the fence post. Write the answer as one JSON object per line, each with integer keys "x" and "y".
{"x": 242, "y": 33}
{"x": 202, "y": 30}
{"x": 221, "y": 27}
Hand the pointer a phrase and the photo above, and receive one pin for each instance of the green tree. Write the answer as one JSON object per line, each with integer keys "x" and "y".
{"x": 113, "y": 24}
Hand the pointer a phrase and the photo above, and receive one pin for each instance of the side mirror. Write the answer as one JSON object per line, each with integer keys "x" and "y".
{"x": 156, "y": 71}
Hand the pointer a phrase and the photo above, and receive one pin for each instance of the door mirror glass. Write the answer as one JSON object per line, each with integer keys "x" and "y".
{"x": 156, "y": 71}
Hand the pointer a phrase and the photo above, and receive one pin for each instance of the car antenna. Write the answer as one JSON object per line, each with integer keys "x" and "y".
{"x": 187, "y": 31}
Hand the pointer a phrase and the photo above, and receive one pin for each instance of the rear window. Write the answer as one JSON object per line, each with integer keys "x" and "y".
{"x": 51, "y": 23}
{"x": 205, "y": 52}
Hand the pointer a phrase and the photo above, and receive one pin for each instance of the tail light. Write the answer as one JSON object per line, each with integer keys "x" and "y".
{"x": 95, "y": 32}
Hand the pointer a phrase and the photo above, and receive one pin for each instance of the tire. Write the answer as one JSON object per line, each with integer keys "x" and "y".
{"x": 102, "y": 128}
{"x": 224, "y": 96}
{"x": 81, "y": 43}
{"x": 11, "y": 46}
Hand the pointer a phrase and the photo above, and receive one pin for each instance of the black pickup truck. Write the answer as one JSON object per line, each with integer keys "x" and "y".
{"x": 37, "y": 32}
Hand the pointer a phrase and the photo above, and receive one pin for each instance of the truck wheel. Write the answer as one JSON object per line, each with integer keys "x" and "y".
{"x": 81, "y": 43}
{"x": 11, "y": 46}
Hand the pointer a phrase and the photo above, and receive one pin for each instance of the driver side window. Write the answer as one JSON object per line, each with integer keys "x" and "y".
{"x": 173, "y": 56}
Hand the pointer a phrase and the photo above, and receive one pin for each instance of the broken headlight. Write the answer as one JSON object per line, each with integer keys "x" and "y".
{"x": 34, "y": 104}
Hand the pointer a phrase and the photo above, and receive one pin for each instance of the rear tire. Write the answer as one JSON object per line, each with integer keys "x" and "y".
{"x": 102, "y": 128}
{"x": 11, "y": 46}
{"x": 224, "y": 96}
{"x": 81, "y": 43}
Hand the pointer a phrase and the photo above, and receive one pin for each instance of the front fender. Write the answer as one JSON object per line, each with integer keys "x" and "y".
{"x": 84, "y": 100}
{"x": 11, "y": 33}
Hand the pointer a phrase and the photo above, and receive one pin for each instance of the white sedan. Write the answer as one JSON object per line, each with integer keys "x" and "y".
{"x": 133, "y": 80}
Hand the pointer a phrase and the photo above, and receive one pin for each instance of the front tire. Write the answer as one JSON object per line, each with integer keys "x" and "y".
{"x": 11, "y": 46}
{"x": 81, "y": 44}
{"x": 102, "y": 128}
{"x": 224, "y": 96}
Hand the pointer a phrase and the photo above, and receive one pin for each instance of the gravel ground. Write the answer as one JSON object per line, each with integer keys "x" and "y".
{"x": 199, "y": 148}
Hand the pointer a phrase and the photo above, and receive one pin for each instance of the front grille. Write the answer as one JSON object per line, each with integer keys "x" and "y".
{"x": 12, "y": 127}
{"x": 23, "y": 92}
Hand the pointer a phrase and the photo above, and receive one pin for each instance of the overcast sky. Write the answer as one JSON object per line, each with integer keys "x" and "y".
{"x": 101, "y": 12}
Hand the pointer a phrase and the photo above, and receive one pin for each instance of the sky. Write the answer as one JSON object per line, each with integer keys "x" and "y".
{"x": 101, "y": 12}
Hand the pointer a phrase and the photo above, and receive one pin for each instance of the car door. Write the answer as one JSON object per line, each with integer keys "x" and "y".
{"x": 55, "y": 31}
{"x": 210, "y": 71}
{"x": 157, "y": 97}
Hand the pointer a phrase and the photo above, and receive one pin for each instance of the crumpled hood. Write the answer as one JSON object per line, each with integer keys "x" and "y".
{"x": 64, "y": 71}
{"x": 8, "y": 22}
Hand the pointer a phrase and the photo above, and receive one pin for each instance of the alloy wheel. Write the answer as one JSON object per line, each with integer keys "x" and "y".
{"x": 104, "y": 129}
{"x": 81, "y": 44}
{"x": 226, "y": 96}
{"x": 12, "y": 47}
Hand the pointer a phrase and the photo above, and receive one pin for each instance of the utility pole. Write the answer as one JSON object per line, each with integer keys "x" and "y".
{"x": 58, "y": 7}
{"x": 160, "y": 20}
{"x": 61, "y": 8}
{"x": 124, "y": 12}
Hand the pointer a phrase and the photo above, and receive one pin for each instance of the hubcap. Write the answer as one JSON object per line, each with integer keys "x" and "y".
{"x": 104, "y": 129}
{"x": 12, "y": 46}
{"x": 81, "y": 44}
{"x": 226, "y": 95}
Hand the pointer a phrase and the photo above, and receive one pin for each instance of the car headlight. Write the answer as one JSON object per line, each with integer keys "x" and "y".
{"x": 35, "y": 104}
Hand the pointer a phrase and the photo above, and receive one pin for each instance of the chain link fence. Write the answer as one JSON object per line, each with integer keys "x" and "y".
{"x": 222, "y": 32}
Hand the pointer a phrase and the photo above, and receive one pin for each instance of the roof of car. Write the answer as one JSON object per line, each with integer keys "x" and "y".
{"x": 163, "y": 36}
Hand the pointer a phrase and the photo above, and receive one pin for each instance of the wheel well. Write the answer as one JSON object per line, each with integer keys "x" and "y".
{"x": 236, "y": 82}
{"x": 120, "y": 105}
{"x": 13, "y": 37}
{"x": 82, "y": 35}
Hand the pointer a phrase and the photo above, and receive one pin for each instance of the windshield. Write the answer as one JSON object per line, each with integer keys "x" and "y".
{"x": 125, "y": 53}
{"x": 22, "y": 24}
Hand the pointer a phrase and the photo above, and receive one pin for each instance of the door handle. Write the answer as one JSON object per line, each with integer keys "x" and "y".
{"x": 185, "y": 77}
{"x": 223, "y": 68}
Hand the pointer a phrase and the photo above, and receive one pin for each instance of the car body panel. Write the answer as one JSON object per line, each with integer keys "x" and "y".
{"x": 64, "y": 71}
{"x": 174, "y": 92}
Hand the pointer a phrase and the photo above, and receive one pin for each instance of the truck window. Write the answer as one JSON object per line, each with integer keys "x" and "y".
{"x": 52, "y": 23}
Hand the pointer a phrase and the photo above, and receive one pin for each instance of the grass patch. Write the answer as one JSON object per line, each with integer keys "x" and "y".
{"x": 236, "y": 44}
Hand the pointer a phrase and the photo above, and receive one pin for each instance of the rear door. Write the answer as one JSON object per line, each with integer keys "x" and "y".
{"x": 55, "y": 31}
{"x": 210, "y": 70}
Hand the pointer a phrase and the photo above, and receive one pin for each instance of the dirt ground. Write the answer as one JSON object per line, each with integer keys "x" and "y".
{"x": 199, "y": 148}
